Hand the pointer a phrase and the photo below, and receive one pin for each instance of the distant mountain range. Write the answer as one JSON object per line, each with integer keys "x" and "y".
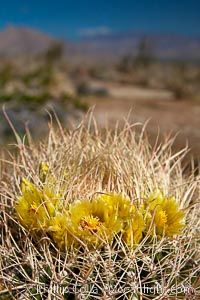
{"x": 17, "y": 41}
{"x": 164, "y": 46}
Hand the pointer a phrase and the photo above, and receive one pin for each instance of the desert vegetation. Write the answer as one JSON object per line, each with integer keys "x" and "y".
{"x": 29, "y": 88}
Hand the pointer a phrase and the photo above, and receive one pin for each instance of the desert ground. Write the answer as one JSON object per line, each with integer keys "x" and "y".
{"x": 165, "y": 115}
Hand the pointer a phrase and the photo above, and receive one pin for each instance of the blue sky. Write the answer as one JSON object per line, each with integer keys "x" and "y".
{"x": 73, "y": 19}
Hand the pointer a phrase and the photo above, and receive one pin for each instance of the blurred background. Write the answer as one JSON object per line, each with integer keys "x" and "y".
{"x": 136, "y": 58}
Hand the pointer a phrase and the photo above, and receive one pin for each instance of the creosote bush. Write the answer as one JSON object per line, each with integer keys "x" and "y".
{"x": 91, "y": 214}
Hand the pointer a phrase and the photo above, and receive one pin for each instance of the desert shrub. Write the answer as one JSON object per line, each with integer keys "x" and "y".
{"x": 6, "y": 74}
{"x": 42, "y": 76}
{"x": 125, "y": 64}
{"x": 24, "y": 98}
{"x": 76, "y": 101}
{"x": 179, "y": 89}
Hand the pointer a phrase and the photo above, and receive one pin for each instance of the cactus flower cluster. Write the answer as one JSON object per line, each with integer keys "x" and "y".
{"x": 95, "y": 222}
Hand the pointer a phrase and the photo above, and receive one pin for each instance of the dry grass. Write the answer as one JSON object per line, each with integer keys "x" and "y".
{"x": 85, "y": 161}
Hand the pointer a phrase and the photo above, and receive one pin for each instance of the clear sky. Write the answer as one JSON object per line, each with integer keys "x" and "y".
{"x": 72, "y": 19}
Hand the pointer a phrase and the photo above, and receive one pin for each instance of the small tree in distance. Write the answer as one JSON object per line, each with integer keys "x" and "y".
{"x": 54, "y": 53}
{"x": 144, "y": 56}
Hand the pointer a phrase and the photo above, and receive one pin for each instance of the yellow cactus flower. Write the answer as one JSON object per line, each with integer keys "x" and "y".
{"x": 34, "y": 207}
{"x": 52, "y": 200}
{"x": 91, "y": 222}
{"x": 30, "y": 211}
{"x": 115, "y": 206}
{"x": 164, "y": 213}
{"x": 57, "y": 229}
{"x": 134, "y": 229}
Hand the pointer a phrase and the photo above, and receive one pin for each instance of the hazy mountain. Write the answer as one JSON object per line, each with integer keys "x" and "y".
{"x": 16, "y": 41}
{"x": 23, "y": 40}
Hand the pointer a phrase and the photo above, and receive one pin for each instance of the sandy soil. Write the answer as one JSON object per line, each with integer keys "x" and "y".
{"x": 165, "y": 113}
